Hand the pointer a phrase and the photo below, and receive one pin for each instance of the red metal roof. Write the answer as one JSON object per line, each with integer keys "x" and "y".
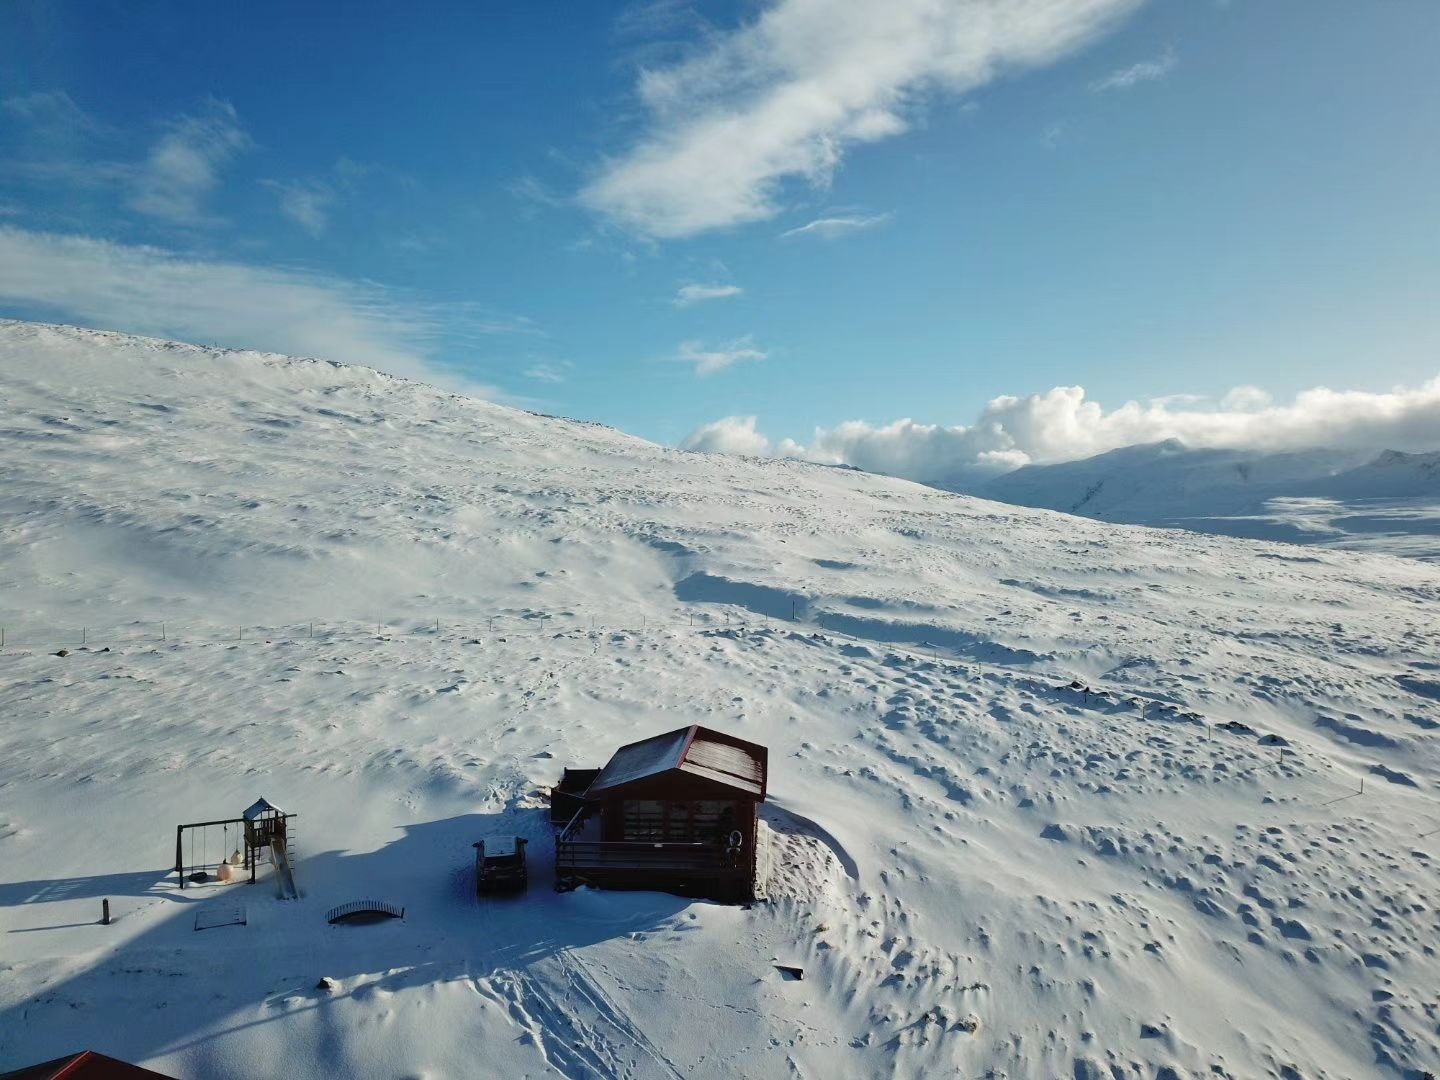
{"x": 86, "y": 1065}
{"x": 697, "y": 750}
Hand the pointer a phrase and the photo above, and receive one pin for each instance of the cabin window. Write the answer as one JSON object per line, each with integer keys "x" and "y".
{"x": 713, "y": 818}
{"x": 677, "y": 821}
{"x": 644, "y": 820}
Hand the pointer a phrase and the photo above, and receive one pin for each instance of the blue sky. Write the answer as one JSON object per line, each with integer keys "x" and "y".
{"x": 809, "y": 212}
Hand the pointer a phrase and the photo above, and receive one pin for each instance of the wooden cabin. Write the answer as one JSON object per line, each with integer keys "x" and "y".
{"x": 678, "y": 812}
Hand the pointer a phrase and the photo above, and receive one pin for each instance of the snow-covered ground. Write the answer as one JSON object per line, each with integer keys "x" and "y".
{"x": 1361, "y": 500}
{"x": 1050, "y": 797}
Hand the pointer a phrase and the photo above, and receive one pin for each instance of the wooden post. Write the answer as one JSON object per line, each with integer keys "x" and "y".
{"x": 162, "y": 632}
{"x": 105, "y": 912}
{"x": 83, "y": 631}
{"x": 312, "y": 628}
{"x": 180, "y": 854}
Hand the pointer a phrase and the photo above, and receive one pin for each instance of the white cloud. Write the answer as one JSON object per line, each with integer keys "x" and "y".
{"x": 530, "y": 190}
{"x": 170, "y": 182}
{"x": 150, "y": 291}
{"x": 184, "y": 164}
{"x": 307, "y": 203}
{"x": 784, "y": 96}
{"x": 1170, "y": 401}
{"x": 732, "y": 435}
{"x": 1060, "y": 425}
{"x": 1245, "y": 399}
{"x": 52, "y": 115}
{"x": 831, "y": 227}
{"x": 694, "y": 294}
{"x": 547, "y": 372}
{"x": 1127, "y": 78}
{"x": 708, "y": 361}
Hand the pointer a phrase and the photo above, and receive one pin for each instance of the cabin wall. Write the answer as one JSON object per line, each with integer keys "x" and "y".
{"x": 677, "y": 820}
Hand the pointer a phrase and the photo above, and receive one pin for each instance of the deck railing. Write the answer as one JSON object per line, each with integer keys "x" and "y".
{"x": 635, "y": 855}
{"x": 688, "y": 856}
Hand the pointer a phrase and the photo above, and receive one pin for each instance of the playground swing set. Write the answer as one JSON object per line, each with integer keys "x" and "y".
{"x": 262, "y": 828}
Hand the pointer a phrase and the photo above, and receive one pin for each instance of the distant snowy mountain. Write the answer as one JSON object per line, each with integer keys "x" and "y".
{"x": 1048, "y": 796}
{"x": 1392, "y": 475}
{"x": 1366, "y": 500}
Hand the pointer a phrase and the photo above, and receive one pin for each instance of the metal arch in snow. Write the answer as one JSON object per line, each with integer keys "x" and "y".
{"x": 361, "y": 909}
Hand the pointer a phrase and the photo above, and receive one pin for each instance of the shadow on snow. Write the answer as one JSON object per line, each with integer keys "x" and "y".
{"x": 147, "y": 998}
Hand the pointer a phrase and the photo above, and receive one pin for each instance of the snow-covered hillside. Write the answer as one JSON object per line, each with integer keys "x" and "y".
{"x": 1050, "y": 796}
{"x": 1353, "y": 499}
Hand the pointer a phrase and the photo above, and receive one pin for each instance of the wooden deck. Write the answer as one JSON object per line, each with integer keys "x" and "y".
{"x": 577, "y": 856}
{"x": 690, "y": 868}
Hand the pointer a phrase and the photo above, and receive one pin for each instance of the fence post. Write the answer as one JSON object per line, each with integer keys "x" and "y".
{"x": 162, "y": 633}
{"x": 242, "y": 633}
{"x": 83, "y": 631}
{"x": 2, "y": 637}
{"x": 312, "y": 628}
{"x": 105, "y": 912}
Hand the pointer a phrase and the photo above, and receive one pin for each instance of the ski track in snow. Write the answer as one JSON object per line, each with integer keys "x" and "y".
{"x": 1053, "y": 798}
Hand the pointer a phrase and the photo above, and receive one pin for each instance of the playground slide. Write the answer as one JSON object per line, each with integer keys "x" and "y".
{"x": 284, "y": 876}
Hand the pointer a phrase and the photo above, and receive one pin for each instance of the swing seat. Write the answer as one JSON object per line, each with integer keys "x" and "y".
{"x": 225, "y": 874}
{"x": 199, "y": 875}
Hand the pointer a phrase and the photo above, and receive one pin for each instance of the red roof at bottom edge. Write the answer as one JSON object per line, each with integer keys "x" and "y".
{"x": 86, "y": 1065}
